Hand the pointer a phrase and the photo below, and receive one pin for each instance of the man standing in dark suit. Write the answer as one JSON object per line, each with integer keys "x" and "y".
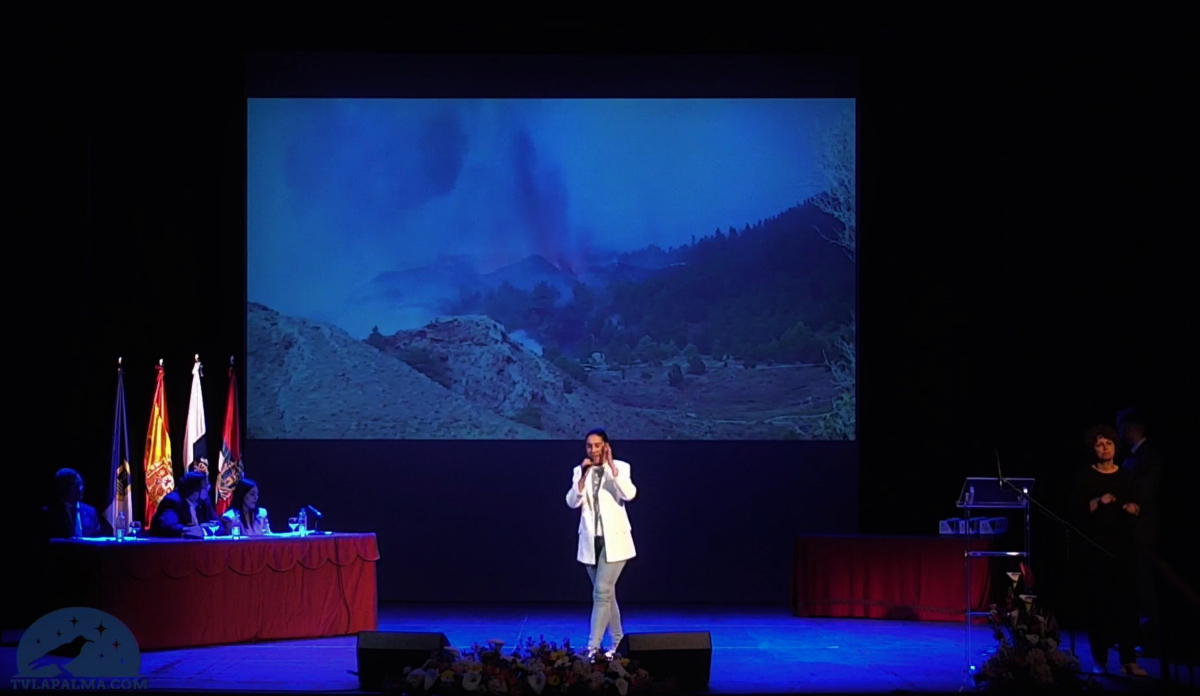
{"x": 69, "y": 517}
{"x": 1143, "y": 461}
{"x": 182, "y": 512}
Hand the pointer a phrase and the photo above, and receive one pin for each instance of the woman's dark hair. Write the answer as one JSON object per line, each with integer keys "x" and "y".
{"x": 598, "y": 432}
{"x": 243, "y": 486}
{"x": 191, "y": 483}
{"x": 238, "y": 499}
{"x": 1099, "y": 431}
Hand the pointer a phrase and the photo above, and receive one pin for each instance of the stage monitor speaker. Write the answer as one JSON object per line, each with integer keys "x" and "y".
{"x": 382, "y": 656}
{"x": 686, "y": 657}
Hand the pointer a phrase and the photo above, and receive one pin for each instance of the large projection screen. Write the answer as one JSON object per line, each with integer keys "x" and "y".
{"x": 499, "y": 269}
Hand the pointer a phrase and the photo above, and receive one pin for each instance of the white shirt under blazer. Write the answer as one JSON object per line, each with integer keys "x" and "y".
{"x": 614, "y": 522}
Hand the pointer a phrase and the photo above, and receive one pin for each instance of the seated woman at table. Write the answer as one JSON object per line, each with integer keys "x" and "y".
{"x": 184, "y": 511}
{"x": 244, "y": 511}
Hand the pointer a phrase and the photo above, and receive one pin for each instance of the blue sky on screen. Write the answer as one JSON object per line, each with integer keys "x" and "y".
{"x": 340, "y": 191}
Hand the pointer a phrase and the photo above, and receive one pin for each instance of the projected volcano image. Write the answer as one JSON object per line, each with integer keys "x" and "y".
{"x": 531, "y": 269}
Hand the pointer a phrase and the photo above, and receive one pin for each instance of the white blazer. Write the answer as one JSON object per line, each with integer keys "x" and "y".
{"x": 618, "y": 534}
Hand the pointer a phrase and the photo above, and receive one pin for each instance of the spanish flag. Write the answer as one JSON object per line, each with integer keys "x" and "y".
{"x": 231, "y": 448}
{"x": 160, "y": 477}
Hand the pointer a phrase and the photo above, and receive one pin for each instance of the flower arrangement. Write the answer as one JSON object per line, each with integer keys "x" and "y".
{"x": 536, "y": 668}
{"x": 1029, "y": 656}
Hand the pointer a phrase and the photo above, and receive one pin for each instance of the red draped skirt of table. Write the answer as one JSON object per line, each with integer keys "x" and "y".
{"x": 881, "y": 577}
{"x": 176, "y": 593}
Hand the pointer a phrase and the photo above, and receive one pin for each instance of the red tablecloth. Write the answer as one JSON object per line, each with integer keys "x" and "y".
{"x": 173, "y": 593}
{"x": 882, "y": 577}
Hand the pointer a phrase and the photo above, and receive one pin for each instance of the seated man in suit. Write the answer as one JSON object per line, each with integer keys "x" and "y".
{"x": 182, "y": 512}
{"x": 69, "y": 517}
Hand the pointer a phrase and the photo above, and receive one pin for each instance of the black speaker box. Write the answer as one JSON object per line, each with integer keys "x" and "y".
{"x": 686, "y": 657}
{"x": 383, "y": 656}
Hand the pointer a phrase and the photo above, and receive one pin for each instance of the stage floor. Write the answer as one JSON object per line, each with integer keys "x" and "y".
{"x": 755, "y": 650}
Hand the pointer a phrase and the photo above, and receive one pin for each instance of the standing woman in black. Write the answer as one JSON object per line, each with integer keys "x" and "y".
{"x": 1106, "y": 501}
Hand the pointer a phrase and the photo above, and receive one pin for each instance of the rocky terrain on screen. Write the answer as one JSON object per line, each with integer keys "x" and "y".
{"x": 475, "y": 358}
{"x": 466, "y": 377}
{"x": 307, "y": 380}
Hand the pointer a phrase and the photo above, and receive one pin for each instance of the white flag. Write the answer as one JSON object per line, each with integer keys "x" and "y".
{"x": 194, "y": 443}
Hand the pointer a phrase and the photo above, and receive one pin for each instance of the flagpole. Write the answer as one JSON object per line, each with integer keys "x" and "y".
{"x": 158, "y": 468}
{"x": 230, "y": 469}
{"x": 196, "y": 433}
{"x": 120, "y": 501}
{"x": 125, "y": 464}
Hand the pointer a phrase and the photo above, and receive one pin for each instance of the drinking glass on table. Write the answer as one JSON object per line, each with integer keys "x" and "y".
{"x": 293, "y": 524}
{"x": 134, "y": 529}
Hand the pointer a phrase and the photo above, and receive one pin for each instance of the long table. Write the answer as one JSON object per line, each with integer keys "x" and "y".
{"x": 886, "y": 577}
{"x": 175, "y": 593}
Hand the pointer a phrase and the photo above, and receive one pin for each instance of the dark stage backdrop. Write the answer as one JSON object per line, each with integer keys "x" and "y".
{"x": 480, "y": 521}
{"x": 1019, "y": 263}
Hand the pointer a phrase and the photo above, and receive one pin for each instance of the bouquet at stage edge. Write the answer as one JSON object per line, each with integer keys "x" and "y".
{"x": 1029, "y": 656}
{"x": 537, "y": 668}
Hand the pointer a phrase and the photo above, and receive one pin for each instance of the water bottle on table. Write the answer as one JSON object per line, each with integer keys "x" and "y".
{"x": 303, "y": 522}
{"x": 121, "y": 524}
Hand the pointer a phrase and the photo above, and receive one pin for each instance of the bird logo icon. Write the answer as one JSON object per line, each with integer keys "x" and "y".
{"x": 62, "y": 656}
{"x": 78, "y": 642}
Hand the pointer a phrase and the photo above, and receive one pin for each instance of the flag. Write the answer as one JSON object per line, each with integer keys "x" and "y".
{"x": 160, "y": 477}
{"x": 195, "y": 444}
{"x": 231, "y": 449}
{"x": 120, "y": 495}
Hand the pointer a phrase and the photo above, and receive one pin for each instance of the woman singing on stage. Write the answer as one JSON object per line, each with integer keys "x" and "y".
{"x": 600, "y": 486}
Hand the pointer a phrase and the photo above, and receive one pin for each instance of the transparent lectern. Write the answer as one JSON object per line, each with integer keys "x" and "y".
{"x": 990, "y": 493}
